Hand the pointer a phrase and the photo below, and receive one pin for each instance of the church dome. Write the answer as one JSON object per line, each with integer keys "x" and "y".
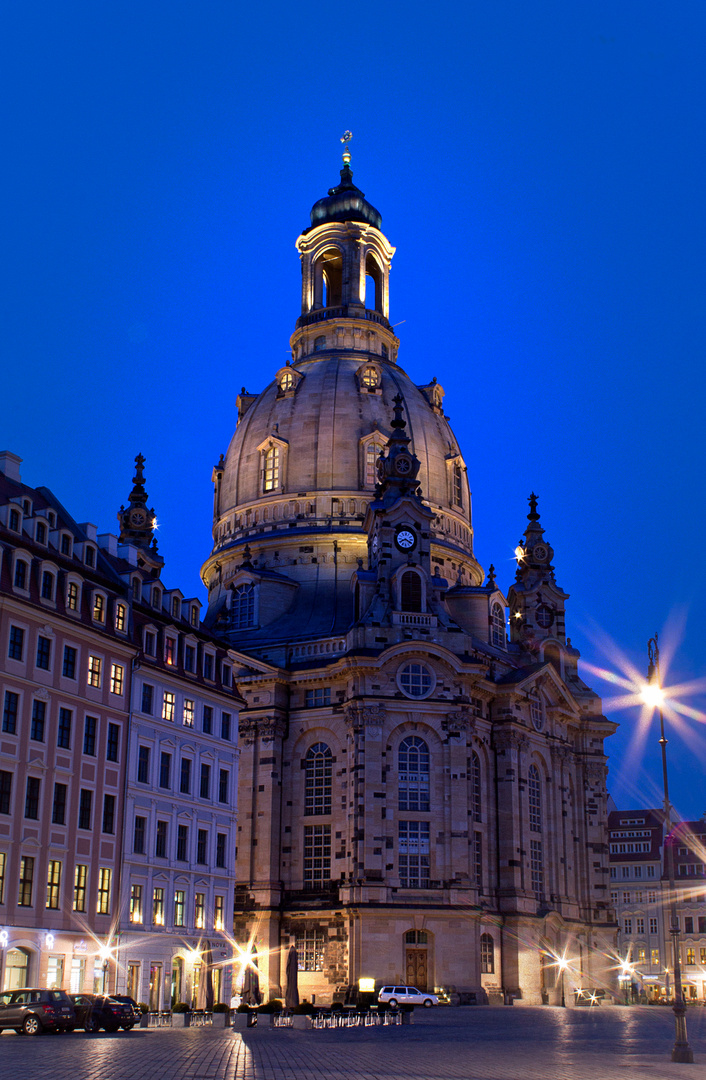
{"x": 322, "y": 427}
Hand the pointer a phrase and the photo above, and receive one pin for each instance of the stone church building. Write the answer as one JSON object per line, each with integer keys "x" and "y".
{"x": 422, "y": 793}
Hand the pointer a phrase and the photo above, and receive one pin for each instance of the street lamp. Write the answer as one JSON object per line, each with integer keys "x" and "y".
{"x": 105, "y": 954}
{"x": 562, "y": 964}
{"x": 653, "y": 696}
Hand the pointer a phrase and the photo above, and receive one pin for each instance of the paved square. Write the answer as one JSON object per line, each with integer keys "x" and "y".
{"x": 442, "y": 1044}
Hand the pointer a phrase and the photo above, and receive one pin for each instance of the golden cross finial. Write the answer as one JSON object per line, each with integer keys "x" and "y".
{"x": 345, "y": 139}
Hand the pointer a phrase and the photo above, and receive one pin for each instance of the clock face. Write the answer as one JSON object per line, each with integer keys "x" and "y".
{"x": 405, "y": 539}
{"x": 137, "y": 518}
{"x": 539, "y": 552}
{"x": 403, "y": 465}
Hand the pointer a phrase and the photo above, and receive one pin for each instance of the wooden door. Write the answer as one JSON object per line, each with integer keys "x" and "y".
{"x": 417, "y": 968}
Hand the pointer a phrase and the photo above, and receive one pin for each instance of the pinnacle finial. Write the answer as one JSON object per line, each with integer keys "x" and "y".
{"x": 492, "y": 583}
{"x": 399, "y": 421}
{"x": 533, "y": 515}
{"x": 345, "y": 139}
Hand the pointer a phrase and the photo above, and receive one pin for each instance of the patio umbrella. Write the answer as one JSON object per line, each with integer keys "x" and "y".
{"x": 204, "y": 994}
{"x": 251, "y": 982}
{"x": 291, "y": 997}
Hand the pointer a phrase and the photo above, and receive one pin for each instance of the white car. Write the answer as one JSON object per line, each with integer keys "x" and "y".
{"x": 406, "y": 995}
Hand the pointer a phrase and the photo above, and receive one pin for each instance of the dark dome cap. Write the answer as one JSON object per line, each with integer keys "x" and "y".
{"x": 344, "y": 203}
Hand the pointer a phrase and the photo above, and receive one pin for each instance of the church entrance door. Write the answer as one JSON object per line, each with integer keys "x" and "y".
{"x": 417, "y": 968}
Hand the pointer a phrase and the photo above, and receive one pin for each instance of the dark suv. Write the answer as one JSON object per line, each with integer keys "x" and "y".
{"x": 96, "y": 1011}
{"x": 29, "y": 1011}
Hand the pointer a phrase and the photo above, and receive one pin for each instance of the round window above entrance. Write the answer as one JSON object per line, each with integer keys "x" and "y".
{"x": 416, "y": 680}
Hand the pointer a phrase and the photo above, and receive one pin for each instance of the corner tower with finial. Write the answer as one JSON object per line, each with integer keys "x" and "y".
{"x": 345, "y": 262}
{"x": 138, "y": 523}
{"x": 536, "y": 601}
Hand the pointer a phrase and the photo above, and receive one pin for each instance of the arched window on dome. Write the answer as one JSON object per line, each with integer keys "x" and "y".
{"x": 328, "y": 278}
{"x": 413, "y": 775}
{"x": 497, "y": 626}
{"x": 317, "y": 779}
{"x": 271, "y": 469}
{"x": 410, "y": 591}
{"x": 457, "y": 485}
{"x": 373, "y": 284}
{"x": 242, "y": 608}
{"x": 476, "y": 792}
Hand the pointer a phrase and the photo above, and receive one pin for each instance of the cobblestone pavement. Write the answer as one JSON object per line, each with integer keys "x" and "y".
{"x": 442, "y": 1044}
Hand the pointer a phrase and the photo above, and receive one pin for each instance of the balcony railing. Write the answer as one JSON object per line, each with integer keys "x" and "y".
{"x": 344, "y": 311}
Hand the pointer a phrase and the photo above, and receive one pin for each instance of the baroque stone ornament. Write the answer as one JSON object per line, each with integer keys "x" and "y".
{"x": 365, "y": 715}
{"x": 462, "y": 720}
{"x": 268, "y": 729}
{"x": 509, "y": 740}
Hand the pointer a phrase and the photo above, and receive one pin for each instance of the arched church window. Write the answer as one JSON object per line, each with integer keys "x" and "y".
{"x": 497, "y": 626}
{"x": 413, "y": 774}
{"x": 373, "y": 284}
{"x": 271, "y": 473}
{"x": 474, "y": 776}
{"x": 458, "y": 485}
{"x": 372, "y": 453}
{"x": 536, "y": 711}
{"x": 410, "y": 591}
{"x": 534, "y": 792}
{"x": 317, "y": 779}
{"x": 242, "y": 610}
{"x": 487, "y": 954}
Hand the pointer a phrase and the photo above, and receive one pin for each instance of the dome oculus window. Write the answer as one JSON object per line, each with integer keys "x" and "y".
{"x": 416, "y": 680}
{"x": 544, "y": 616}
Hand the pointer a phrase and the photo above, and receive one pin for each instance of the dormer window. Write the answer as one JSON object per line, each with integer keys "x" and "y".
{"x": 227, "y": 674}
{"x": 150, "y": 643}
{"x": 136, "y": 588}
{"x": 27, "y": 507}
{"x": 120, "y": 617}
{"x": 176, "y": 607}
{"x": 156, "y": 598}
{"x": 194, "y": 618}
{"x": 208, "y": 663}
{"x": 72, "y": 596}
{"x": 99, "y": 608}
{"x": 47, "y": 585}
{"x": 14, "y": 521}
{"x": 21, "y": 574}
{"x": 370, "y": 377}
{"x": 65, "y": 546}
{"x": 89, "y": 557}
{"x": 41, "y": 533}
{"x": 52, "y": 519}
{"x": 271, "y": 474}
{"x": 286, "y": 382}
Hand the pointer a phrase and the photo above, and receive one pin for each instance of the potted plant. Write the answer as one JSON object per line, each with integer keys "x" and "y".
{"x": 221, "y": 1015}
{"x": 145, "y": 1010}
{"x": 181, "y": 1015}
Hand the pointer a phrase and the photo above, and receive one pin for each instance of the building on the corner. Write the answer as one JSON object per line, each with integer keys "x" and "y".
{"x": 422, "y": 791}
{"x": 640, "y": 895}
{"x": 177, "y": 890}
{"x": 118, "y": 759}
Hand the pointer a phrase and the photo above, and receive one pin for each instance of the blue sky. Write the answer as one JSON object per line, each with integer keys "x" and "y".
{"x": 539, "y": 169}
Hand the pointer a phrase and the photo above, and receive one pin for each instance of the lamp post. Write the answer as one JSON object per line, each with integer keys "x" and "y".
{"x": 653, "y": 696}
{"x": 562, "y": 968}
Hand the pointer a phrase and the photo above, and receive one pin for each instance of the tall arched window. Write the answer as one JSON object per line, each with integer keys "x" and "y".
{"x": 271, "y": 470}
{"x": 534, "y": 790}
{"x": 487, "y": 954}
{"x": 475, "y": 779}
{"x": 317, "y": 779}
{"x": 372, "y": 453}
{"x": 242, "y": 610}
{"x": 410, "y": 591}
{"x": 458, "y": 485}
{"x": 413, "y": 778}
{"x": 497, "y": 626}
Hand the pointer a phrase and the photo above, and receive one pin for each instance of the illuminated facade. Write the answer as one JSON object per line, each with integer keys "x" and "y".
{"x": 118, "y": 758}
{"x": 422, "y": 795}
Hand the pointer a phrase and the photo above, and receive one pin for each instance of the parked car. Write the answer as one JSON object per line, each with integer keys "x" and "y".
{"x": 136, "y": 1010}
{"x": 30, "y": 1011}
{"x": 96, "y": 1011}
{"x": 406, "y": 995}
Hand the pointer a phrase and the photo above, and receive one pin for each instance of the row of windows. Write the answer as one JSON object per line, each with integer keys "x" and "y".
{"x": 638, "y": 955}
{"x": 638, "y": 897}
{"x": 59, "y": 803}
{"x": 167, "y": 780}
{"x": 413, "y": 854}
{"x": 48, "y": 580}
{"x": 43, "y": 661}
{"x": 168, "y": 711}
{"x": 64, "y": 728}
{"x": 311, "y": 947}
{"x": 691, "y": 925}
{"x": 52, "y": 897}
{"x": 189, "y": 657}
{"x": 138, "y": 913}
{"x": 629, "y": 849}
{"x": 632, "y": 872}
{"x": 201, "y": 854}
{"x": 413, "y": 785}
